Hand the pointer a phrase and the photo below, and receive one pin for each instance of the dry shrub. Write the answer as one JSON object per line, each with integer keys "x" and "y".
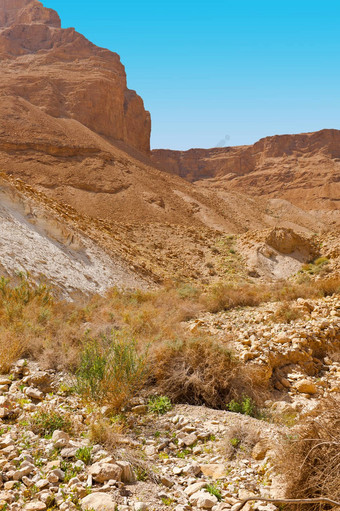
{"x": 285, "y": 313}
{"x": 223, "y": 296}
{"x": 104, "y": 432}
{"x": 110, "y": 434}
{"x": 328, "y": 286}
{"x": 11, "y": 349}
{"x": 199, "y": 371}
{"x": 310, "y": 463}
{"x": 241, "y": 438}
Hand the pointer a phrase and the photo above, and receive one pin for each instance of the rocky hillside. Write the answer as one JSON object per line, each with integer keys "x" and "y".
{"x": 303, "y": 169}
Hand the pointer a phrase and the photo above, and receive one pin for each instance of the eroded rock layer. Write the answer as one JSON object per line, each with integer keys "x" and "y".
{"x": 304, "y": 169}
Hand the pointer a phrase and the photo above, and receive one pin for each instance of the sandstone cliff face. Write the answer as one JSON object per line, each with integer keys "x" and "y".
{"x": 66, "y": 76}
{"x": 304, "y": 169}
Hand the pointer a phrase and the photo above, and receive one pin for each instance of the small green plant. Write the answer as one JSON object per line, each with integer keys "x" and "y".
{"x": 163, "y": 456}
{"x": 66, "y": 389}
{"x": 235, "y": 442}
{"x": 159, "y": 404}
{"x": 141, "y": 474}
{"x": 246, "y": 406}
{"x": 318, "y": 266}
{"x": 167, "y": 501}
{"x": 84, "y": 454}
{"x": 213, "y": 490}
{"x": 69, "y": 470}
{"x": 183, "y": 454}
{"x": 45, "y": 422}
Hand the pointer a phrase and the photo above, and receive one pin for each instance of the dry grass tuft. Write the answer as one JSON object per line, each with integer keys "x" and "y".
{"x": 105, "y": 432}
{"x": 310, "y": 464}
{"x": 239, "y": 440}
{"x": 286, "y": 313}
{"x": 224, "y": 296}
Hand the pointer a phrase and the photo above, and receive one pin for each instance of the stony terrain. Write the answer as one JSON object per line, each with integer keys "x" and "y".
{"x": 191, "y": 457}
{"x": 288, "y": 346}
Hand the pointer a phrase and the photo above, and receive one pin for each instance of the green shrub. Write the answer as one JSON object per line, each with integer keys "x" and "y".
{"x": 70, "y": 470}
{"x": 141, "y": 474}
{"x": 110, "y": 371}
{"x": 84, "y": 454}
{"x": 213, "y": 490}
{"x": 188, "y": 291}
{"x": 246, "y": 406}
{"x": 45, "y": 422}
{"x": 159, "y": 404}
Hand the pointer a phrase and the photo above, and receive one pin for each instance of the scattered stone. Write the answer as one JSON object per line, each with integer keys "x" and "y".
{"x": 214, "y": 470}
{"x": 102, "y": 472}
{"x": 60, "y": 439}
{"x": 34, "y": 393}
{"x": 35, "y": 506}
{"x": 306, "y": 387}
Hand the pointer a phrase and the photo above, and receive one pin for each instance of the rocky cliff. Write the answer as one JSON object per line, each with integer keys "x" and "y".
{"x": 65, "y": 76}
{"x": 304, "y": 169}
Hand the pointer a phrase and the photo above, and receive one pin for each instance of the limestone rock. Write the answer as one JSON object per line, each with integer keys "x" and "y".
{"x": 127, "y": 475}
{"x": 306, "y": 387}
{"x": 34, "y": 394}
{"x": 102, "y": 472}
{"x": 195, "y": 487}
{"x": 35, "y": 506}
{"x": 98, "y": 502}
{"x": 214, "y": 470}
{"x": 203, "y": 500}
{"x": 60, "y": 439}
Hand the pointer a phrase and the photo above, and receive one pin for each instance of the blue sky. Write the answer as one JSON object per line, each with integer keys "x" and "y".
{"x": 244, "y": 69}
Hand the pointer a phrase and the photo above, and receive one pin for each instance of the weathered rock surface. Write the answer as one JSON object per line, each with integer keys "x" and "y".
{"x": 66, "y": 76}
{"x": 303, "y": 169}
{"x": 99, "y": 502}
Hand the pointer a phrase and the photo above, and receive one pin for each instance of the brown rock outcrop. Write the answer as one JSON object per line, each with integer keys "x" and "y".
{"x": 66, "y": 76}
{"x": 304, "y": 169}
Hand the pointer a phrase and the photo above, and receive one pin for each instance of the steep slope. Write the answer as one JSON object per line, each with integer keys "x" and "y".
{"x": 37, "y": 238}
{"x": 303, "y": 169}
{"x": 72, "y": 164}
